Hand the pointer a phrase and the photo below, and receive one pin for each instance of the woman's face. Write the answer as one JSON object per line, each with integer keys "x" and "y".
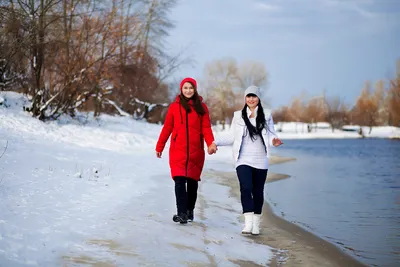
{"x": 188, "y": 90}
{"x": 252, "y": 101}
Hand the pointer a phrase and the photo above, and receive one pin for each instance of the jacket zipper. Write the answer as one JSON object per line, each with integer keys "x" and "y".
{"x": 187, "y": 142}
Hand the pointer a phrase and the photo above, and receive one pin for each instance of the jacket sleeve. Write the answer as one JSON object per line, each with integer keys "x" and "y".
{"x": 166, "y": 130}
{"x": 227, "y": 138}
{"x": 271, "y": 130}
{"x": 206, "y": 127}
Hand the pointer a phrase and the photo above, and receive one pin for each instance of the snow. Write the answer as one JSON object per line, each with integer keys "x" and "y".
{"x": 382, "y": 132}
{"x": 84, "y": 191}
{"x": 121, "y": 112}
{"x": 322, "y": 130}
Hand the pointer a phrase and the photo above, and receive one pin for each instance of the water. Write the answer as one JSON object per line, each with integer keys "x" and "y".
{"x": 345, "y": 191}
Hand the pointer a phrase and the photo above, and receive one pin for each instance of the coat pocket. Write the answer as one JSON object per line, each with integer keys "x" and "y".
{"x": 173, "y": 140}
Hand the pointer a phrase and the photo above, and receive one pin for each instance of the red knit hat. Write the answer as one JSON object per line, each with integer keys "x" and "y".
{"x": 190, "y": 80}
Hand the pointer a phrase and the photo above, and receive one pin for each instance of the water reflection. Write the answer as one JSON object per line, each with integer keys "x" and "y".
{"x": 346, "y": 191}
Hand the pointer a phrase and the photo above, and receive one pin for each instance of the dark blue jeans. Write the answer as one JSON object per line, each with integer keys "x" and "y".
{"x": 185, "y": 193}
{"x": 252, "y": 182}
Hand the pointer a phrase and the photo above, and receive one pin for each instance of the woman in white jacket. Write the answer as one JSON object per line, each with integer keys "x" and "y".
{"x": 251, "y": 134}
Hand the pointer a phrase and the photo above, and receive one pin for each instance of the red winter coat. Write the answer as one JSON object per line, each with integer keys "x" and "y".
{"x": 189, "y": 130}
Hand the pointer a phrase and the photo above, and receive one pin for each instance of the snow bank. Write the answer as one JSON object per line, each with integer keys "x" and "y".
{"x": 91, "y": 191}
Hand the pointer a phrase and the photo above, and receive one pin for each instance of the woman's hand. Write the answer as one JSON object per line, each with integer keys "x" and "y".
{"x": 212, "y": 149}
{"x": 158, "y": 154}
{"x": 276, "y": 142}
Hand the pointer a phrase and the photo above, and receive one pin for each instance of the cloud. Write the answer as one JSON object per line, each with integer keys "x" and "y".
{"x": 357, "y": 6}
{"x": 265, "y": 7}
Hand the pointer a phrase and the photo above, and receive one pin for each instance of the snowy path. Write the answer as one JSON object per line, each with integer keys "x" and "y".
{"x": 74, "y": 195}
{"x": 67, "y": 205}
{"x": 144, "y": 234}
{"x": 52, "y": 195}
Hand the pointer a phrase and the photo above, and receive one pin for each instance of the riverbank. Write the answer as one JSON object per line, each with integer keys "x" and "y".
{"x": 299, "y": 130}
{"x": 94, "y": 194}
{"x": 292, "y": 244}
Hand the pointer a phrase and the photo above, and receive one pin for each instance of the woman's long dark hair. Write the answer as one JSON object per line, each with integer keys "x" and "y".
{"x": 260, "y": 122}
{"x": 197, "y": 106}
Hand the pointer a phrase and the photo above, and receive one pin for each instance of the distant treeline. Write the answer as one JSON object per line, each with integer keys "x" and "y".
{"x": 374, "y": 107}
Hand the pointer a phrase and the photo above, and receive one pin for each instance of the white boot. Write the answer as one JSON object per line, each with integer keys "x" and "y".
{"x": 256, "y": 224}
{"x": 248, "y": 222}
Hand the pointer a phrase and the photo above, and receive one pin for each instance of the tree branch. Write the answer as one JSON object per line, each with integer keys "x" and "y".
{"x": 5, "y": 149}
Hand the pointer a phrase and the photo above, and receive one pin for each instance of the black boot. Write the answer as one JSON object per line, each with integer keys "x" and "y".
{"x": 190, "y": 215}
{"x": 181, "y": 218}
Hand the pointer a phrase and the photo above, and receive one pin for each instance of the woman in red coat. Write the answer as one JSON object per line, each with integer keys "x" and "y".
{"x": 188, "y": 121}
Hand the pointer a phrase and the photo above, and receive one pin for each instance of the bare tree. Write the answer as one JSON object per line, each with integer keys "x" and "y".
{"x": 367, "y": 109}
{"x": 86, "y": 54}
{"x": 336, "y": 112}
{"x": 252, "y": 73}
{"x": 80, "y": 57}
{"x": 141, "y": 73}
{"x": 282, "y": 114}
{"x": 224, "y": 82}
{"x": 379, "y": 100}
{"x": 14, "y": 46}
{"x": 220, "y": 83}
{"x": 393, "y": 99}
{"x": 314, "y": 110}
{"x": 40, "y": 16}
{"x": 151, "y": 42}
{"x": 297, "y": 111}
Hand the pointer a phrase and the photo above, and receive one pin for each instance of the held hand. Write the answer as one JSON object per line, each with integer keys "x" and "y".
{"x": 276, "y": 142}
{"x": 212, "y": 149}
{"x": 159, "y": 154}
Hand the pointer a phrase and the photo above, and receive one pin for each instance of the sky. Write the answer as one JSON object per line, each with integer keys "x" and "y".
{"x": 307, "y": 47}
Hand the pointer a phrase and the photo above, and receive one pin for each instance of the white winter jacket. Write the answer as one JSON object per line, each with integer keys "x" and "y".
{"x": 238, "y": 129}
